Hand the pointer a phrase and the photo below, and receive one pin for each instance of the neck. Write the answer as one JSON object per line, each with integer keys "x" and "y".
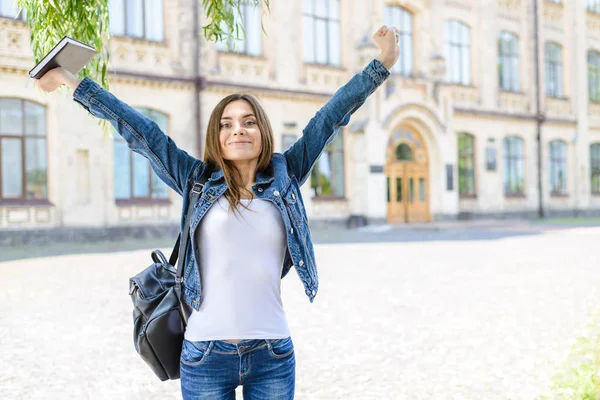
{"x": 247, "y": 171}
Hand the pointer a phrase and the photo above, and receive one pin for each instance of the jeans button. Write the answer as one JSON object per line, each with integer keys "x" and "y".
{"x": 260, "y": 190}
{"x": 276, "y": 193}
{"x": 301, "y": 263}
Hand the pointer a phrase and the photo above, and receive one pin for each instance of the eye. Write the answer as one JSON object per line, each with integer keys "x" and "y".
{"x": 225, "y": 125}
{"x": 251, "y": 122}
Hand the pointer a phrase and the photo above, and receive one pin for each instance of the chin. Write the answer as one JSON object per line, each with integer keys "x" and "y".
{"x": 240, "y": 158}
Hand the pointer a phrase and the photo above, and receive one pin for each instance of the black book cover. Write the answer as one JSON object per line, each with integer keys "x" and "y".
{"x": 68, "y": 53}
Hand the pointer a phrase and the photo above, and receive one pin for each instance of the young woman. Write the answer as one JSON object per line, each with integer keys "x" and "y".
{"x": 248, "y": 229}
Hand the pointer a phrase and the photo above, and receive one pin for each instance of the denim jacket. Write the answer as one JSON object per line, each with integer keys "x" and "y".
{"x": 279, "y": 183}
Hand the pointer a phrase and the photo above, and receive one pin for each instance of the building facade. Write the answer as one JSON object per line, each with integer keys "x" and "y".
{"x": 470, "y": 124}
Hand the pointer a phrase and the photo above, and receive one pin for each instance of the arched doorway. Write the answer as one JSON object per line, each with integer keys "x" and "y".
{"x": 407, "y": 171}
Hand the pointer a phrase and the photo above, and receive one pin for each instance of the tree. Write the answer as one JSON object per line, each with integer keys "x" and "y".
{"x": 87, "y": 21}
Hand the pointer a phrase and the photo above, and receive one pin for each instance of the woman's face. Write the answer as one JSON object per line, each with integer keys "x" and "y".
{"x": 239, "y": 136}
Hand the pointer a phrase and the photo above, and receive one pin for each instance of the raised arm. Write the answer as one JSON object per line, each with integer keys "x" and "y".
{"x": 143, "y": 135}
{"x": 323, "y": 127}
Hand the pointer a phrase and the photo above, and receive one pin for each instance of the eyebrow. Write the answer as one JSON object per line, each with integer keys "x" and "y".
{"x": 245, "y": 116}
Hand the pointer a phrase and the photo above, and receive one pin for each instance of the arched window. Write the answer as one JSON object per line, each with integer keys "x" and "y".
{"x": 403, "y": 152}
{"x": 558, "y": 167}
{"x": 139, "y": 19}
{"x": 594, "y": 75}
{"x": 593, "y": 6}
{"x": 595, "y": 167}
{"x": 251, "y": 42}
{"x": 321, "y": 42}
{"x": 328, "y": 173}
{"x": 514, "y": 166}
{"x": 23, "y": 161}
{"x": 466, "y": 164}
{"x": 458, "y": 53}
{"x": 134, "y": 178}
{"x": 508, "y": 62}
{"x": 403, "y": 20}
{"x": 553, "y": 69}
{"x": 9, "y": 9}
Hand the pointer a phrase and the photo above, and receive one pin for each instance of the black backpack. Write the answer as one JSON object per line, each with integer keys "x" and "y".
{"x": 159, "y": 314}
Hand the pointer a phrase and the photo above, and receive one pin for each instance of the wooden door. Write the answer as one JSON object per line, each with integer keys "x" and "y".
{"x": 396, "y": 187}
{"x": 407, "y": 173}
{"x": 417, "y": 201}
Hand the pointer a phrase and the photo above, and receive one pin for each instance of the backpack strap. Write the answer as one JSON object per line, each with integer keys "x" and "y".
{"x": 181, "y": 245}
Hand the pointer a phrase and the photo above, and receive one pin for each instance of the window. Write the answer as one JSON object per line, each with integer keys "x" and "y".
{"x": 403, "y": 20}
{"x": 287, "y": 140}
{"x": 595, "y": 167}
{"x": 422, "y": 190}
{"x": 554, "y": 1}
{"x": 9, "y": 9}
{"x": 508, "y": 62}
{"x": 404, "y": 152}
{"x": 514, "y": 175}
{"x": 553, "y": 61}
{"x": 321, "y": 31}
{"x": 251, "y": 22}
{"x": 558, "y": 167}
{"x": 141, "y": 19}
{"x": 327, "y": 177}
{"x": 594, "y": 75}
{"x": 23, "y": 162}
{"x": 134, "y": 178}
{"x": 593, "y": 6}
{"x": 466, "y": 165}
{"x": 449, "y": 177}
{"x": 458, "y": 53}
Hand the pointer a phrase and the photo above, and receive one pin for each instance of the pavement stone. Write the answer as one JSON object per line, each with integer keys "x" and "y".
{"x": 431, "y": 319}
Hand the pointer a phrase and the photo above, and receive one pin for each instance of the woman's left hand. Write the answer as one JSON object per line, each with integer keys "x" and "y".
{"x": 387, "y": 41}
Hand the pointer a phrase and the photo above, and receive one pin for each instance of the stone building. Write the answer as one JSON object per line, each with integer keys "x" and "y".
{"x": 470, "y": 124}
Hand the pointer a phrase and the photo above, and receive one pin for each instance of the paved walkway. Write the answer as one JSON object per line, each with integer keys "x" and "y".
{"x": 435, "y": 319}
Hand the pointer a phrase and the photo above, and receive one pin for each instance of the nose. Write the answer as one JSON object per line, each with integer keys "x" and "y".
{"x": 239, "y": 129}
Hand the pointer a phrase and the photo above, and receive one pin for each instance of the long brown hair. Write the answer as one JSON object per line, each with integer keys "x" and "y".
{"x": 213, "y": 154}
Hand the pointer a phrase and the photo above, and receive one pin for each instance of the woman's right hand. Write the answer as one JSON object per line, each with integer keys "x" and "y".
{"x": 56, "y": 77}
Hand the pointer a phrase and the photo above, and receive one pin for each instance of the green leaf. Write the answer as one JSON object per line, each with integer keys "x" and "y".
{"x": 88, "y": 21}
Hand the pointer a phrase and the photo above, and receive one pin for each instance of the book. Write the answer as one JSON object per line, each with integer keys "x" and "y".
{"x": 68, "y": 53}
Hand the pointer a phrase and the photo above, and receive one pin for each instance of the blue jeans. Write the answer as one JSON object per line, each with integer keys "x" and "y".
{"x": 212, "y": 369}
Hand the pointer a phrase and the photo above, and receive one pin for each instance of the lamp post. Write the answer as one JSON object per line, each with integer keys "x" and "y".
{"x": 539, "y": 114}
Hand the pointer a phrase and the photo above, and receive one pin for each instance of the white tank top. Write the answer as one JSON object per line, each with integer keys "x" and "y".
{"x": 240, "y": 270}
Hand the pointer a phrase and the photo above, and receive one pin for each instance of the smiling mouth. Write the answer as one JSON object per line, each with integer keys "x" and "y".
{"x": 240, "y": 143}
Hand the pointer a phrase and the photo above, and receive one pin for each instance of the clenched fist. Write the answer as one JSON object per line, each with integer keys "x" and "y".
{"x": 56, "y": 77}
{"x": 387, "y": 41}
